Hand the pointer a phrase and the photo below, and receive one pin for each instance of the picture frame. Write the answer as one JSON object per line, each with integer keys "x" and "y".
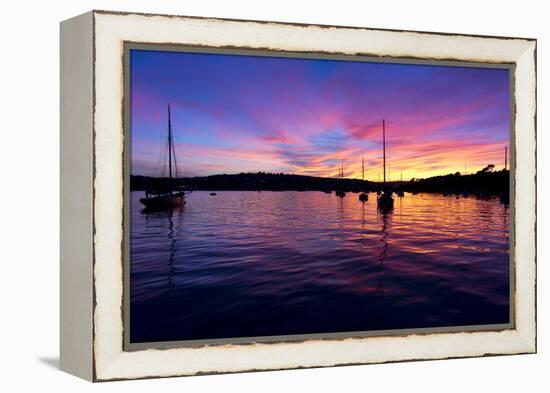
{"x": 94, "y": 270}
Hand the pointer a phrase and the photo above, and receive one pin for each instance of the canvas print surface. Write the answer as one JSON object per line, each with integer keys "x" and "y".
{"x": 279, "y": 196}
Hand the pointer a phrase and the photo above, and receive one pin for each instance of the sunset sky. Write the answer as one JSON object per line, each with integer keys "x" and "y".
{"x": 233, "y": 114}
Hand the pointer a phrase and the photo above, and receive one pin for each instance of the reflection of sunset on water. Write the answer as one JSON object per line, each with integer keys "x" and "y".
{"x": 270, "y": 263}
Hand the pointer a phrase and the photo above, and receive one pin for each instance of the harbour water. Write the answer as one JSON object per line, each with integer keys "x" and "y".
{"x": 248, "y": 264}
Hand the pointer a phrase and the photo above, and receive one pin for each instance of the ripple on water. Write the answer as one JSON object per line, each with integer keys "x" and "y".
{"x": 250, "y": 264}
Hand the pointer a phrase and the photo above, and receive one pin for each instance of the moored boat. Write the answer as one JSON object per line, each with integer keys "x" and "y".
{"x": 340, "y": 191}
{"x": 171, "y": 194}
{"x": 504, "y": 197}
{"x": 385, "y": 199}
{"x": 161, "y": 200}
{"x": 400, "y": 193}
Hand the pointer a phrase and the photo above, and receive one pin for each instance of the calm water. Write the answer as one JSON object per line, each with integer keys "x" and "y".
{"x": 244, "y": 264}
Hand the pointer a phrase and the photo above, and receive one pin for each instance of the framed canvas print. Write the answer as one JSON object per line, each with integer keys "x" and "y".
{"x": 246, "y": 195}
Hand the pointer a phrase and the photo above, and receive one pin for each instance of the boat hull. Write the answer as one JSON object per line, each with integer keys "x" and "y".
{"x": 385, "y": 201}
{"x": 163, "y": 201}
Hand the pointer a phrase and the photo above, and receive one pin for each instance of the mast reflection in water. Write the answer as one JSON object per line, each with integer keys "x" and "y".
{"x": 246, "y": 264}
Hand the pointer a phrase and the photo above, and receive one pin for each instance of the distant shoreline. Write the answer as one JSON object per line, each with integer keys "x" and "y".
{"x": 485, "y": 182}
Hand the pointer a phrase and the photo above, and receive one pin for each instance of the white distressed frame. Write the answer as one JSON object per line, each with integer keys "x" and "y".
{"x": 110, "y": 31}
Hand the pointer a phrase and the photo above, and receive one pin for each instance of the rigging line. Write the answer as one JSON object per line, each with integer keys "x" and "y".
{"x": 158, "y": 167}
{"x": 169, "y": 142}
{"x": 161, "y": 167}
{"x": 164, "y": 153}
{"x": 174, "y": 158}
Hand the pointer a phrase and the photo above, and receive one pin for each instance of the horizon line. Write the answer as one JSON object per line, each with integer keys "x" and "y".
{"x": 322, "y": 177}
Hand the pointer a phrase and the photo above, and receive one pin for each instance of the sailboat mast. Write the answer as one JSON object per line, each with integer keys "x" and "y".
{"x": 384, "y": 148}
{"x": 169, "y": 144}
{"x": 363, "y": 168}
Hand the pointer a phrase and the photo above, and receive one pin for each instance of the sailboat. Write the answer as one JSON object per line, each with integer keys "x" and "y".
{"x": 363, "y": 197}
{"x": 385, "y": 199}
{"x": 170, "y": 194}
{"x": 400, "y": 192}
{"x": 340, "y": 192}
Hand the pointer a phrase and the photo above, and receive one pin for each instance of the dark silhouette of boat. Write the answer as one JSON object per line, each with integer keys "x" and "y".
{"x": 155, "y": 199}
{"x": 385, "y": 199}
{"x": 340, "y": 192}
{"x": 504, "y": 197}
{"x": 213, "y": 193}
{"x": 363, "y": 197}
{"x": 400, "y": 193}
{"x": 171, "y": 194}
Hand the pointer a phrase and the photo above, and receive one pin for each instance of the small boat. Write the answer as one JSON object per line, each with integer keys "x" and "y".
{"x": 155, "y": 200}
{"x": 385, "y": 199}
{"x": 504, "y": 197}
{"x": 327, "y": 191}
{"x": 363, "y": 197}
{"x": 213, "y": 193}
{"x": 400, "y": 193}
{"x": 171, "y": 193}
{"x": 341, "y": 193}
{"x": 484, "y": 195}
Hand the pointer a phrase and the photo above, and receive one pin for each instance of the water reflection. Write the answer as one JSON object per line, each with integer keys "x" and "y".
{"x": 253, "y": 264}
{"x": 385, "y": 217}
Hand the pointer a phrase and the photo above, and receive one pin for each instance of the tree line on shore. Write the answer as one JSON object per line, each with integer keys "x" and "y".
{"x": 486, "y": 180}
